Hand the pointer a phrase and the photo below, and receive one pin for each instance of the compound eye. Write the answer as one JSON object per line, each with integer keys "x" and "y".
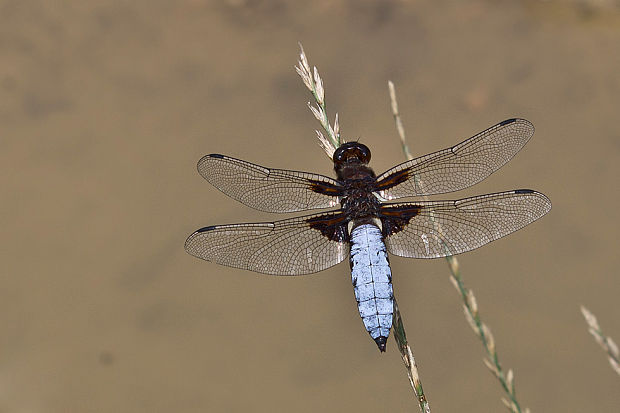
{"x": 338, "y": 155}
{"x": 352, "y": 151}
{"x": 364, "y": 153}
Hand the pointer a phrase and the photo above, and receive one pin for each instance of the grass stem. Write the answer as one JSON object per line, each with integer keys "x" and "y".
{"x": 314, "y": 83}
{"x": 470, "y": 305}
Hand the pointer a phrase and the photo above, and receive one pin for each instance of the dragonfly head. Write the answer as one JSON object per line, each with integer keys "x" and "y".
{"x": 351, "y": 153}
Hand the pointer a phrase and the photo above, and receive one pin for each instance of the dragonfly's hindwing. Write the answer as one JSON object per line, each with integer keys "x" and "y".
{"x": 372, "y": 280}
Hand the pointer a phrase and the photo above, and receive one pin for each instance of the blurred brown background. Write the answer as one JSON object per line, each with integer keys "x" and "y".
{"x": 107, "y": 106}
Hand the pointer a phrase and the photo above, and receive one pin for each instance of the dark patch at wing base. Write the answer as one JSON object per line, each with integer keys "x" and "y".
{"x": 395, "y": 218}
{"x": 332, "y": 226}
{"x": 393, "y": 179}
{"x": 325, "y": 188}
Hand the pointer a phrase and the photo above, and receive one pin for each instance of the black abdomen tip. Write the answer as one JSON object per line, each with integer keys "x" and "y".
{"x": 381, "y": 343}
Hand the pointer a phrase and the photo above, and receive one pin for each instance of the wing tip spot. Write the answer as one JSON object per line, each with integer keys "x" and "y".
{"x": 205, "y": 229}
{"x": 543, "y": 197}
{"x": 205, "y": 160}
{"x": 508, "y": 121}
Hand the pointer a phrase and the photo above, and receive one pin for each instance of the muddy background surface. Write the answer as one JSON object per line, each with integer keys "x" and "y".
{"x": 107, "y": 106}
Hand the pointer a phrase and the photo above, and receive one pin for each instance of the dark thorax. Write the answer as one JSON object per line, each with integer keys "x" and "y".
{"x": 358, "y": 180}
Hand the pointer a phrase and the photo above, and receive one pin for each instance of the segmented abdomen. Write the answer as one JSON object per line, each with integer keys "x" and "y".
{"x": 372, "y": 280}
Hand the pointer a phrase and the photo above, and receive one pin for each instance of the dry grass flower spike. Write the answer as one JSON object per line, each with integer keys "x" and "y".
{"x": 314, "y": 83}
{"x": 607, "y": 343}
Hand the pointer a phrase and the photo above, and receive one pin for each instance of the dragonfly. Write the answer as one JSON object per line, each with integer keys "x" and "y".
{"x": 363, "y": 223}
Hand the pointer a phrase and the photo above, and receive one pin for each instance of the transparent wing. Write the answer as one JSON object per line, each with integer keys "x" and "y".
{"x": 270, "y": 190}
{"x": 294, "y": 246}
{"x": 458, "y": 167}
{"x": 432, "y": 229}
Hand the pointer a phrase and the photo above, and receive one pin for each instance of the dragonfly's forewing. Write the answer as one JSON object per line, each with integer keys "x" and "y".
{"x": 270, "y": 190}
{"x": 458, "y": 167}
